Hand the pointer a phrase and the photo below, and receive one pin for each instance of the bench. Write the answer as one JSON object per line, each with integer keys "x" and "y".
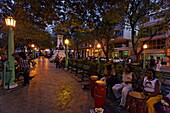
{"x": 73, "y": 67}
{"x": 69, "y": 65}
{"x": 85, "y": 71}
{"x": 79, "y": 68}
{"x": 165, "y": 83}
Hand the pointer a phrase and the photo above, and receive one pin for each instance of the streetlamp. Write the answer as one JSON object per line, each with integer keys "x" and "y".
{"x": 144, "y": 55}
{"x": 33, "y": 51}
{"x": 11, "y": 23}
{"x": 66, "y": 41}
{"x": 72, "y": 53}
{"x": 32, "y": 45}
{"x": 87, "y": 55}
{"x": 98, "y": 46}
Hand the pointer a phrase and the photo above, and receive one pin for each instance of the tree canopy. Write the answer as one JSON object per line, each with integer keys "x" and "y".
{"x": 84, "y": 20}
{"x": 138, "y": 13}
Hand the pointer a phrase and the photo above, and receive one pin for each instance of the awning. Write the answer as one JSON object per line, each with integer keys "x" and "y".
{"x": 155, "y": 51}
{"x": 119, "y": 40}
{"x": 155, "y": 37}
{"x": 123, "y": 49}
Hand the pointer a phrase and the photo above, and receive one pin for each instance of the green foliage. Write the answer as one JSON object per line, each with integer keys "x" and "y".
{"x": 139, "y": 72}
{"x": 119, "y": 69}
{"x": 31, "y": 19}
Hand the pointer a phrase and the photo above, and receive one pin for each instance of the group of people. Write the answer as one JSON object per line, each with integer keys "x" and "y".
{"x": 150, "y": 87}
{"x": 155, "y": 64}
{"x": 59, "y": 61}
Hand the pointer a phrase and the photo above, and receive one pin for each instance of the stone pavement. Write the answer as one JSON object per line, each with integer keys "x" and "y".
{"x": 50, "y": 91}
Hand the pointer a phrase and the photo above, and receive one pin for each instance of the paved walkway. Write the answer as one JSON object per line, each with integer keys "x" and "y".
{"x": 50, "y": 91}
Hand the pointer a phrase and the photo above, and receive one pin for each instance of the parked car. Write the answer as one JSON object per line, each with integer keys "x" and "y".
{"x": 117, "y": 60}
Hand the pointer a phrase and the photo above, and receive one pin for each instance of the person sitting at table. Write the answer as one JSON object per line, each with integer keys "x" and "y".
{"x": 151, "y": 89}
{"x": 128, "y": 78}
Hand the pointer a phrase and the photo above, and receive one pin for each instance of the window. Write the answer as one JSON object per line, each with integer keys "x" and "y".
{"x": 156, "y": 44}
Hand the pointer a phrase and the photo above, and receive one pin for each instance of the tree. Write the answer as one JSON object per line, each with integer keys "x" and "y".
{"x": 105, "y": 16}
{"x": 139, "y": 12}
{"x": 32, "y": 17}
{"x": 92, "y": 17}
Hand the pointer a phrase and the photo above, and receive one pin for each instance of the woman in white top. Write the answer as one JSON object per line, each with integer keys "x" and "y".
{"x": 158, "y": 64}
{"x": 127, "y": 79}
{"x": 151, "y": 88}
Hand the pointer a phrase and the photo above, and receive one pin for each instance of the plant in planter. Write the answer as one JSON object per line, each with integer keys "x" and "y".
{"x": 119, "y": 69}
{"x": 101, "y": 68}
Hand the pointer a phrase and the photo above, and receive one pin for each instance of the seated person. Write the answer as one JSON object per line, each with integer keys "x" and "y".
{"x": 109, "y": 78}
{"x": 151, "y": 89}
{"x": 163, "y": 106}
{"x": 128, "y": 78}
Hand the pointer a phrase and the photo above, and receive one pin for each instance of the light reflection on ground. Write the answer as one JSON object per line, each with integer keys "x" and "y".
{"x": 64, "y": 97}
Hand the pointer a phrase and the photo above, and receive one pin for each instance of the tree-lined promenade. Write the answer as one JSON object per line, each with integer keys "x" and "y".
{"x": 116, "y": 29}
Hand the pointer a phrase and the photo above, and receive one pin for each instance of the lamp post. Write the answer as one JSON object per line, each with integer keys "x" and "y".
{"x": 33, "y": 51}
{"x": 144, "y": 56}
{"x": 66, "y": 41}
{"x": 98, "y": 46}
{"x": 11, "y": 23}
{"x": 72, "y": 53}
{"x": 87, "y": 55}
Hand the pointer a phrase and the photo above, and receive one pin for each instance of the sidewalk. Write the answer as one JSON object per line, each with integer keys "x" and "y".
{"x": 50, "y": 91}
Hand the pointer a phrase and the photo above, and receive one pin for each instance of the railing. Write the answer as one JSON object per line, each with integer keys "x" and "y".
{"x": 5, "y": 74}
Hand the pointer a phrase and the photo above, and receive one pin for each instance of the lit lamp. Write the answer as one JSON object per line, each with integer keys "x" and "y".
{"x": 11, "y": 23}
{"x": 66, "y": 41}
{"x": 32, "y": 45}
{"x": 98, "y": 46}
{"x": 33, "y": 51}
{"x": 144, "y": 56}
{"x": 72, "y": 53}
{"x": 87, "y": 52}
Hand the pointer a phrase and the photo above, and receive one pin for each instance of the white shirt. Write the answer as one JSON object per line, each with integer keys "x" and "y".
{"x": 149, "y": 85}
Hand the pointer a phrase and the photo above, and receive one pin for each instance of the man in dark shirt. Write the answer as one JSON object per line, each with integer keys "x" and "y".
{"x": 152, "y": 63}
{"x": 24, "y": 63}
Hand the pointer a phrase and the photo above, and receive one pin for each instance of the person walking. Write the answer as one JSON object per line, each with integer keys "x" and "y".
{"x": 158, "y": 64}
{"x": 57, "y": 59}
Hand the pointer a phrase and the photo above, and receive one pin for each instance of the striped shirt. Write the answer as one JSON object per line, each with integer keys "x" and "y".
{"x": 24, "y": 63}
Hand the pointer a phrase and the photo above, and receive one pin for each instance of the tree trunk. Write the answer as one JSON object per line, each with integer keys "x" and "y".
{"x": 137, "y": 57}
{"x": 107, "y": 56}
